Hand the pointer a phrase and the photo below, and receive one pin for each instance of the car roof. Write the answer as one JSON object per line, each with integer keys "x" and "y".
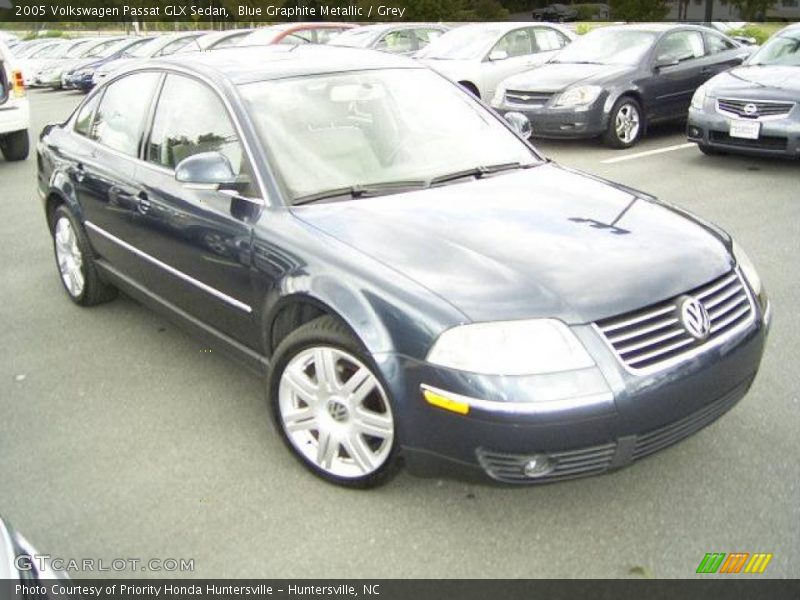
{"x": 655, "y": 27}
{"x": 262, "y": 63}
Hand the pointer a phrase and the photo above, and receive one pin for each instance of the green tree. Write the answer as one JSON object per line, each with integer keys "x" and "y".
{"x": 753, "y": 10}
{"x": 639, "y": 10}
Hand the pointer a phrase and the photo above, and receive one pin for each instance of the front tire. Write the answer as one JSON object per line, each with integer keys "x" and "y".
{"x": 15, "y": 146}
{"x": 626, "y": 123}
{"x": 75, "y": 261}
{"x": 709, "y": 150}
{"x": 331, "y": 407}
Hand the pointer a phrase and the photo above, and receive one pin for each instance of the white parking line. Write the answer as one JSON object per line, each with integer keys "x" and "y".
{"x": 610, "y": 161}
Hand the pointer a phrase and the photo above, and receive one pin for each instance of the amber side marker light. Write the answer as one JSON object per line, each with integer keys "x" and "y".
{"x": 18, "y": 84}
{"x": 434, "y": 399}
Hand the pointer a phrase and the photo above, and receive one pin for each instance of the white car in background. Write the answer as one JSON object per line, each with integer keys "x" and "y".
{"x": 481, "y": 55}
{"x": 14, "y": 109}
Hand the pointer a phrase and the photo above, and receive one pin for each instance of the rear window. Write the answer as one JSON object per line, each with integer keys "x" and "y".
{"x": 119, "y": 119}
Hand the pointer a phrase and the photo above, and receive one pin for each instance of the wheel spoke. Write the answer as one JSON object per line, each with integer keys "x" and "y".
{"x": 325, "y": 365}
{"x": 360, "y": 453}
{"x": 301, "y": 419}
{"x": 301, "y": 384}
{"x": 360, "y": 385}
{"x": 326, "y": 448}
{"x": 372, "y": 423}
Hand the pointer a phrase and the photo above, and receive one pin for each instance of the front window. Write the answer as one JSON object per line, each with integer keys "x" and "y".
{"x": 608, "y": 47}
{"x": 147, "y": 49}
{"x": 374, "y": 128}
{"x": 463, "y": 43}
{"x": 360, "y": 37}
{"x": 781, "y": 49}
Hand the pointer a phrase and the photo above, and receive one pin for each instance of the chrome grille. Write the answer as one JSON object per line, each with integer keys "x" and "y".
{"x": 762, "y": 109}
{"x": 567, "y": 464}
{"x": 647, "y": 338}
{"x": 528, "y": 98}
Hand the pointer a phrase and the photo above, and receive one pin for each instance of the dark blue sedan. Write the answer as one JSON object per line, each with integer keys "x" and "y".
{"x": 412, "y": 279}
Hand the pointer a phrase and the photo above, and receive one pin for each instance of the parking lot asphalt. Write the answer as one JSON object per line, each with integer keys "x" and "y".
{"x": 122, "y": 437}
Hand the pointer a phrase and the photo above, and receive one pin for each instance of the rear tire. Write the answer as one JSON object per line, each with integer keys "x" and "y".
{"x": 331, "y": 406}
{"x": 15, "y": 146}
{"x": 75, "y": 261}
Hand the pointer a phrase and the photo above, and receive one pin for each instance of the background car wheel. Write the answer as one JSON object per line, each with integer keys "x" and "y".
{"x": 709, "y": 150}
{"x": 626, "y": 123}
{"x": 15, "y": 146}
{"x": 75, "y": 262}
{"x": 470, "y": 87}
{"x": 331, "y": 407}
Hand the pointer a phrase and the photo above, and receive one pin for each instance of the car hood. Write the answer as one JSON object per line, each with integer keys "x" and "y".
{"x": 532, "y": 243}
{"x": 759, "y": 82}
{"x": 554, "y": 77}
{"x": 114, "y": 65}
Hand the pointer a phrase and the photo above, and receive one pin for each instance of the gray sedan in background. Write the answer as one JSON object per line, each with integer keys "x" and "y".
{"x": 397, "y": 38}
{"x": 754, "y": 108}
{"x": 617, "y": 80}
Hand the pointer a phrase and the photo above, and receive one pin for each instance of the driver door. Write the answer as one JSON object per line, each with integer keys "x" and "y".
{"x": 677, "y": 73}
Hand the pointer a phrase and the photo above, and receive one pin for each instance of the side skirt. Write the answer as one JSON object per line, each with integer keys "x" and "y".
{"x": 253, "y": 361}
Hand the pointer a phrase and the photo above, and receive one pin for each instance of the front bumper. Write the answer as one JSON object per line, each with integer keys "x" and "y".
{"x": 779, "y": 137}
{"x": 646, "y": 413}
{"x": 564, "y": 123}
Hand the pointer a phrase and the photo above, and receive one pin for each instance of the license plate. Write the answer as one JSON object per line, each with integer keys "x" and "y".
{"x": 748, "y": 130}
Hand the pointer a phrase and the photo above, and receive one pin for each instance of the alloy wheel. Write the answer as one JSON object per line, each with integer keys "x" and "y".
{"x": 627, "y": 123}
{"x": 69, "y": 257}
{"x": 335, "y": 412}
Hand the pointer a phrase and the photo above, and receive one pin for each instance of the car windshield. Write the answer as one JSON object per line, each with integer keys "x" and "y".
{"x": 463, "y": 43}
{"x": 360, "y": 37}
{"x": 263, "y": 36}
{"x": 782, "y": 49}
{"x": 77, "y": 50}
{"x": 608, "y": 47}
{"x": 148, "y": 49}
{"x": 369, "y": 128}
{"x": 101, "y": 50}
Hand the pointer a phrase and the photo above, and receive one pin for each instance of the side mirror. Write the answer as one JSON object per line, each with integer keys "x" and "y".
{"x": 520, "y": 123}
{"x": 205, "y": 170}
{"x": 498, "y": 55}
{"x": 666, "y": 61}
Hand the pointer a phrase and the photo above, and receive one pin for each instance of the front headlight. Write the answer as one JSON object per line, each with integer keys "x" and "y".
{"x": 510, "y": 348}
{"x": 699, "y": 98}
{"x": 579, "y": 95}
{"x": 748, "y": 268}
{"x": 499, "y": 95}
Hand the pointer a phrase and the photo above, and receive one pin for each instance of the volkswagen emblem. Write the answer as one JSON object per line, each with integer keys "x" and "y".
{"x": 750, "y": 109}
{"x": 694, "y": 318}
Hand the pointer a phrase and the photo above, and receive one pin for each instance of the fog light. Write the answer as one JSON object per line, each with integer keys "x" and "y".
{"x": 538, "y": 466}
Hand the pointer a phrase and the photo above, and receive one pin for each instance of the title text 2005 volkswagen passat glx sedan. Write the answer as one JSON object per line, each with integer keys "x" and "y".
{"x": 413, "y": 279}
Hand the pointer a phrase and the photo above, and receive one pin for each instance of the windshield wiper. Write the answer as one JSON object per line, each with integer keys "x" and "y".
{"x": 478, "y": 172}
{"x": 361, "y": 191}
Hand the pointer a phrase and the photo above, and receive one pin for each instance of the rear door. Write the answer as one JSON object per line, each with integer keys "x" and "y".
{"x": 721, "y": 54}
{"x": 103, "y": 164}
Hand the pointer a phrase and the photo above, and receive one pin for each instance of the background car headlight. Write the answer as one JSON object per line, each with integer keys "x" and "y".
{"x": 748, "y": 268}
{"x": 510, "y": 348}
{"x": 499, "y": 96}
{"x": 699, "y": 98}
{"x": 579, "y": 96}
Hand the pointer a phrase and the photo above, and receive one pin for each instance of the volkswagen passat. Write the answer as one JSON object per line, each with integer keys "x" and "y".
{"x": 755, "y": 108}
{"x": 414, "y": 281}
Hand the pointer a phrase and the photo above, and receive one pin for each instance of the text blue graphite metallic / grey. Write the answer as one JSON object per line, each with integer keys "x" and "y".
{"x": 414, "y": 281}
